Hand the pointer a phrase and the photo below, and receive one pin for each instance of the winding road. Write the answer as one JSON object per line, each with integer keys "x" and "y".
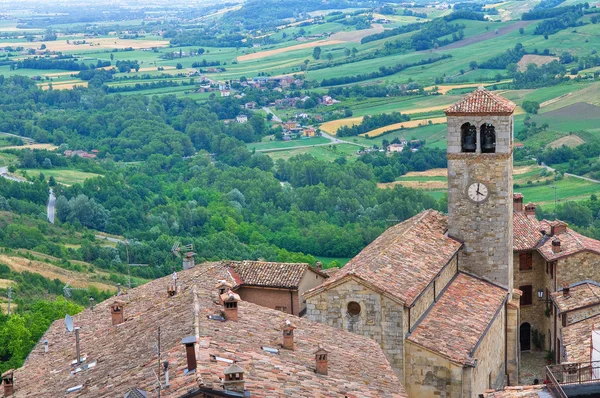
{"x": 276, "y": 118}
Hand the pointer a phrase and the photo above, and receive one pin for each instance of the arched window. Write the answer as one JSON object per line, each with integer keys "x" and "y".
{"x": 488, "y": 138}
{"x": 468, "y": 137}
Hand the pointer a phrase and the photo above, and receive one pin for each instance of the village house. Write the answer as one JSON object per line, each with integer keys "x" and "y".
{"x": 210, "y": 343}
{"x": 250, "y": 105}
{"x": 280, "y": 286}
{"x": 309, "y": 132}
{"x": 241, "y": 118}
{"x": 225, "y": 93}
{"x": 82, "y": 154}
{"x": 395, "y": 148}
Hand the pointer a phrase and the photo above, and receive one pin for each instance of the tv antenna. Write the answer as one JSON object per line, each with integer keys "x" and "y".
{"x": 129, "y": 264}
{"x": 69, "y": 322}
{"x": 70, "y": 327}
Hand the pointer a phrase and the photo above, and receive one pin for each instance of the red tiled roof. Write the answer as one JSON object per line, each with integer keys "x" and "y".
{"x": 533, "y": 391}
{"x": 456, "y": 323}
{"x": 576, "y": 339}
{"x": 571, "y": 243}
{"x": 580, "y": 295}
{"x": 481, "y": 101}
{"x": 260, "y": 273}
{"x": 404, "y": 259}
{"x": 126, "y": 355}
{"x": 526, "y": 232}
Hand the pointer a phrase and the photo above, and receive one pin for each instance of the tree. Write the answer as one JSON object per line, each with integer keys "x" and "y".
{"x": 51, "y": 181}
{"x": 47, "y": 164}
{"x": 521, "y": 30}
{"x": 347, "y": 52}
{"x": 354, "y": 51}
{"x": 473, "y": 65}
{"x": 43, "y": 46}
{"x": 317, "y": 53}
{"x": 178, "y": 66}
{"x": 329, "y": 56}
{"x": 112, "y": 56}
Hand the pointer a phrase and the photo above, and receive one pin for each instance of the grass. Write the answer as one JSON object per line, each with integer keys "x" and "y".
{"x": 261, "y": 146}
{"x": 326, "y": 261}
{"x": 62, "y": 176}
{"x": 329, "y": 153}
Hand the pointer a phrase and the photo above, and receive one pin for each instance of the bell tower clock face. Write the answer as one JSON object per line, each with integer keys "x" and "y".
{"x": 477, "y": 192}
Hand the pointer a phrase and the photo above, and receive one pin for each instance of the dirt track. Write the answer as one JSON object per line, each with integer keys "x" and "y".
{"x": 484, "y": 36}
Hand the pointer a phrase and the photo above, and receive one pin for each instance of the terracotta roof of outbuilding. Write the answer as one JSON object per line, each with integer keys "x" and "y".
{"x": 481, "y": 101}
{"x": 126, "y": 355}
{"x": 458, "y": 320}
{"x": 269, "y": 274}
{"x": 571, "y": 243}
{"x": 533, "y": 391}
{"x": 581, "y": 294}
{"x": 526, "y": 232}
{"x": 576, "y": 339}
{"x": 403, "y": 260}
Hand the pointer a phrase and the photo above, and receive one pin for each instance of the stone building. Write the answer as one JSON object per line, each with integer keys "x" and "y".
{"x": 436, "y": 292}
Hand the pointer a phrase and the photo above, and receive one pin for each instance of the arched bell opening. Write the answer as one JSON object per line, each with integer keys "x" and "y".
{"x": 488, "y": 138}
{"x": 468, "y": 137}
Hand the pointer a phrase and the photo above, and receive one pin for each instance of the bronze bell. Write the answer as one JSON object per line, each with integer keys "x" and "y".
{"x": 469, "y": 145}
{"x": 489, "y": 143}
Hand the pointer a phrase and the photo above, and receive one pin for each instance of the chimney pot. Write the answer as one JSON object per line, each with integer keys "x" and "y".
{"x": 234, "y": 378}
{"x": 566, "y": 290}
{"x": 171, "y": 290}
{"x": 92, "y": 303}
{"x": 321, "y": 360}
{"x": 118, "y": 289}
{"x": 530, "y": 209}
{"x": 230, "y": 305}
{"x": 7, "y": 382}
{"x": 190, "y": 352}
{"x": 223, "y": 286}
{"x": 518, "y": 202}
{"x": 556, "y": 245}
{"x": 319, "y": 265}
{"x": 116, "y": 312}
{"x": 288, "y": 335}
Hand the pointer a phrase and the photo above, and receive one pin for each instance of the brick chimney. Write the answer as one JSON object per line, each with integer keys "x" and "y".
{"x": 234, "y": 378}
{"x": 530, "y": 209}
{"x": 566, "y": 290}
{"x": 222, "y": 287}
{"x": 7, "y": 382}
{"x": 558, "y": 227}
{"x": 556, "y": 245}
{"x": 518, "y": 202}
{"x": 321, "y": 360}
{"x": 288, "y": 335}
{"x": 116, "y": 312}
{"x": 171, "y": 290}
{"x": 190, "y": 352}
{"x": 230, "y": 305}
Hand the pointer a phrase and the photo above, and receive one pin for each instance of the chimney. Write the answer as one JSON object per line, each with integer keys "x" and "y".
{"x": 171, "y": 290}
{"x": 166, "y": 371}
{"x": 230, "y": 303}
{"x": 558, "y": 227}
{"x": 45, "y": 345}
{"x": 555, "y": 245}
{"x": 518, "y": 202}
{"x": 566, "y": 290}
{"x": 190, "y": 352}
{"x": 118, "y": 289}
{"x": 319, "y": 265}
{"x": 288, "y": 335}
{"x": 234, "y": 378}
{"x": 116, "y": 312}
{"x": 530, "y": 209}
{"x": 7, "y": 382}
{"x": 321, "y": 359}
{"x": 223, "y": 286}
{"x": 91, "y": 303}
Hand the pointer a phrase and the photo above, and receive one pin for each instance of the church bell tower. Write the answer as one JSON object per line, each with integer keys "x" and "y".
{"x": 480, "y": 184}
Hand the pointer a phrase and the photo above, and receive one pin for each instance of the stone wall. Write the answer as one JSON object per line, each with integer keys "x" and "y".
{"x": 485, "y": 228}
{"x": 578, "y": 315}
{"x": 490, "y": 357}
{"x": 380, "y": 318}
{"x": 534, "y": 314}
{"x": 577, "y": 268}
{"x": 429, "y": 375}
{"x": 308, "y": 281}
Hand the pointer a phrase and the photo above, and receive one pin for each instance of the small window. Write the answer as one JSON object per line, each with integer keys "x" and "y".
{"x": 525, "y": 261}
{"x": 527, "y": 297}
{"x": 353, "y": 308}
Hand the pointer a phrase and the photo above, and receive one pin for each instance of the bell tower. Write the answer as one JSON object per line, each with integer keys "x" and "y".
{"x": 480, "y": 184}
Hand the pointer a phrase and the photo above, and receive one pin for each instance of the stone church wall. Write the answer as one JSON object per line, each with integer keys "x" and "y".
{"x": 430, "y": 375}
{"x": 490, "y": 357}
{"x": 380, "y": 318}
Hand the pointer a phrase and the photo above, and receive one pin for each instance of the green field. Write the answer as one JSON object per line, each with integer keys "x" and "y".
{"x": 264, "y": 146}
{"x": 62, "y": 176}
{"x": 329, "y": 153}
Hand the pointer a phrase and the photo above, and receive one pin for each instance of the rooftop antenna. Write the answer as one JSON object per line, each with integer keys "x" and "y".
{"x": 129, "y": 265}
{"x": 188, "y": 256}
{"x": 70, "y": 328}
{"x": 69, "y": 323}
{"x": 67, "y": 292}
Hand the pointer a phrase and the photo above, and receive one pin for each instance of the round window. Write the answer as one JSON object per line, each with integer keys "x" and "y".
{"x": 353, "y": 308}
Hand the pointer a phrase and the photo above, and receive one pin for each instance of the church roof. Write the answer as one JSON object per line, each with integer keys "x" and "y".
{"x": 481, "y": 101}
{"x": 526, "y": 232}
{"x": 458, "y": 321}
{"x": 581, "y": 294}
{"x": 403, "y": 260}
{"x": 268, "y": 274}
{"x": 126, "y": 356}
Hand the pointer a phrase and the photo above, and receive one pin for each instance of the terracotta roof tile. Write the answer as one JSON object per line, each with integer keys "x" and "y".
{"x": 533, "y": 391}
{"x": 404, "y": 259}
{"x": 268, "y": 274}
{"x": 576, "y": 339}
{"x": 126, "y": 356}
{"x": 526, "y": 232}
{"x": 571, "y": 243}
{"x": 580, "y": 295}
{"x": 458, "y": 320}
{"x": 482, "y": 101}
